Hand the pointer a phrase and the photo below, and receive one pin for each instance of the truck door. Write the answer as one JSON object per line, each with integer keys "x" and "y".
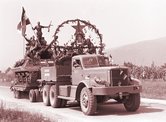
{"x": 77, "y": 72}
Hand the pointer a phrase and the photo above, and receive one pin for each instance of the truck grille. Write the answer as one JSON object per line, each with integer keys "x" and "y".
{"x": 119, "y": 77}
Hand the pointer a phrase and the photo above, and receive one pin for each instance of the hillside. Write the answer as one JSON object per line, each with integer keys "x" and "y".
{"x": 142, "y": 53}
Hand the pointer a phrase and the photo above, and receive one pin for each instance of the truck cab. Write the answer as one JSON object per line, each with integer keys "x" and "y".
{"x": 89, "y": 67}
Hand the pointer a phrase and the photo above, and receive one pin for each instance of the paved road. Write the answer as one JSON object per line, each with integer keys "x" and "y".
{"x": 148, "y": 112}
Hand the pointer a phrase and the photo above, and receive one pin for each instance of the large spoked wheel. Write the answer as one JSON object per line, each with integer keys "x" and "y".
{"x": 32, "y": 95}
{"x": 88, "y": 102}
{"x": 46, "y": 92}
{"x": 54, "y": 100}
{"x": 132, "y": 103}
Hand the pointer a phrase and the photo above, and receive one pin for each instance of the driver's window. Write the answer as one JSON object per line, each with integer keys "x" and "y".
{"x": 77, "y": 63}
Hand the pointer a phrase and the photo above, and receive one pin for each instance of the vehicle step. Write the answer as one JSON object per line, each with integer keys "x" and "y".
{"x": 66, "y": 98}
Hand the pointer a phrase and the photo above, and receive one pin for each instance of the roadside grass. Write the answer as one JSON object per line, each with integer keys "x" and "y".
{"x": 13, "y": 115}
{"x": 155, "y": 89}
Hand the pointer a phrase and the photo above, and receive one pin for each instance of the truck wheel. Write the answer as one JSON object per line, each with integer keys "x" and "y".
{"x": 46, "y": 98}
{"x": 32, "y": 95}
{"x": 17, "y": 94}
{"x": 37, "y": 93}
{"x": 88, "y": 102}
{"x": 63, "y": 103}
{"x": 132, "y": 103}
{"x": 54, "y": 100}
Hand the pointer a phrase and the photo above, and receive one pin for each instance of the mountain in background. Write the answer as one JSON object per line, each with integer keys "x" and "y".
{"x": 142, "y": 53}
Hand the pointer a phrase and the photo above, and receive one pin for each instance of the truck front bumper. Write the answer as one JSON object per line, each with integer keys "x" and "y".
{"x": 116, "y": 89}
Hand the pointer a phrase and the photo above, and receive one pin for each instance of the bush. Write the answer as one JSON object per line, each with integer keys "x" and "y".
{"x": 154, "y": 89}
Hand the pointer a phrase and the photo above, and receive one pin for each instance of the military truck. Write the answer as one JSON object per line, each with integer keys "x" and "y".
{"x": 81, "y": 72}
{"x": 90, "y": 80}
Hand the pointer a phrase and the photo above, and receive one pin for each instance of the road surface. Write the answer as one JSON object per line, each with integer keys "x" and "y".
{"x": 148, "y": 111}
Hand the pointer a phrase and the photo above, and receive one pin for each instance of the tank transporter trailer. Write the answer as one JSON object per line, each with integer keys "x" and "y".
{"x": 77, "y": 72}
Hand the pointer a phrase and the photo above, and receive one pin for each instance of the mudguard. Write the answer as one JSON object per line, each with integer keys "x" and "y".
{"x": 135, "y": 81}
{"x": 82, "y": 84}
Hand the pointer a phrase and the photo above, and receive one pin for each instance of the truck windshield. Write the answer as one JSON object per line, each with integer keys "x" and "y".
{"x": 95, "y": 61}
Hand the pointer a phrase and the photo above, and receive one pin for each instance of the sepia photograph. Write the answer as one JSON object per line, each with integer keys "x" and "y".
{"x": 82, "y": 60}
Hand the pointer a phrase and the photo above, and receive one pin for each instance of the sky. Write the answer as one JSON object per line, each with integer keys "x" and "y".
{"x": 121, "y": 22}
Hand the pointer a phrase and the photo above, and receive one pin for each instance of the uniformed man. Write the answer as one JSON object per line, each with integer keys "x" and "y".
{"x": 38, "y": 28}
{"x": 90, "y": 45}
{"x": 31, "y": 42}
{"x": 32, "y": 47}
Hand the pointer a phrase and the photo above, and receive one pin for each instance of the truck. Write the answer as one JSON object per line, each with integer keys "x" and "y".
{"x": 87, "y": 78}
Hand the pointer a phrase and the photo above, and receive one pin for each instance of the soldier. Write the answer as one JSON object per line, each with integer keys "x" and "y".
{"x": 90, "y": 45}
{"x": 30, "y": 42}
{"x": 38, "y": 28}
{"x": 32, "y": 46}
{"x": 43, "y": 42}
{"x": 80, "y": 39}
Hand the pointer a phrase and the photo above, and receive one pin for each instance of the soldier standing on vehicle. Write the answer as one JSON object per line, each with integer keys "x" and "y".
{"x": 38, "y": 28}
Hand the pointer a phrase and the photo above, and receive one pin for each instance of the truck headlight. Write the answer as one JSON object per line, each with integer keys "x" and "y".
{"x": 100, "y": 81}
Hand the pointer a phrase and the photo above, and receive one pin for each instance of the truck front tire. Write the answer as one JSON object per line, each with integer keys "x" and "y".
{"x": 46, "y": 92}
{"x": 132, "y": 103}
{"x": 88, "y": 102}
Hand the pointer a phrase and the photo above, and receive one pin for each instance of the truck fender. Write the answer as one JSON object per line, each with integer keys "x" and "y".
{"x": 135, "y": 81}
{"x": 82, "y": 84}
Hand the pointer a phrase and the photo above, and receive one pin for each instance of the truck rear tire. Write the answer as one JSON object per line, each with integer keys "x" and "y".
{"x": 132, "y": 103}
{"x": 32, "y": 95}
{"x": 88, "y": 102}
{"x": 38, "y": 97}
{"x": 54, "y": 100}
{"x": 63, "y": 103}
{"x": 46, "y": 92}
